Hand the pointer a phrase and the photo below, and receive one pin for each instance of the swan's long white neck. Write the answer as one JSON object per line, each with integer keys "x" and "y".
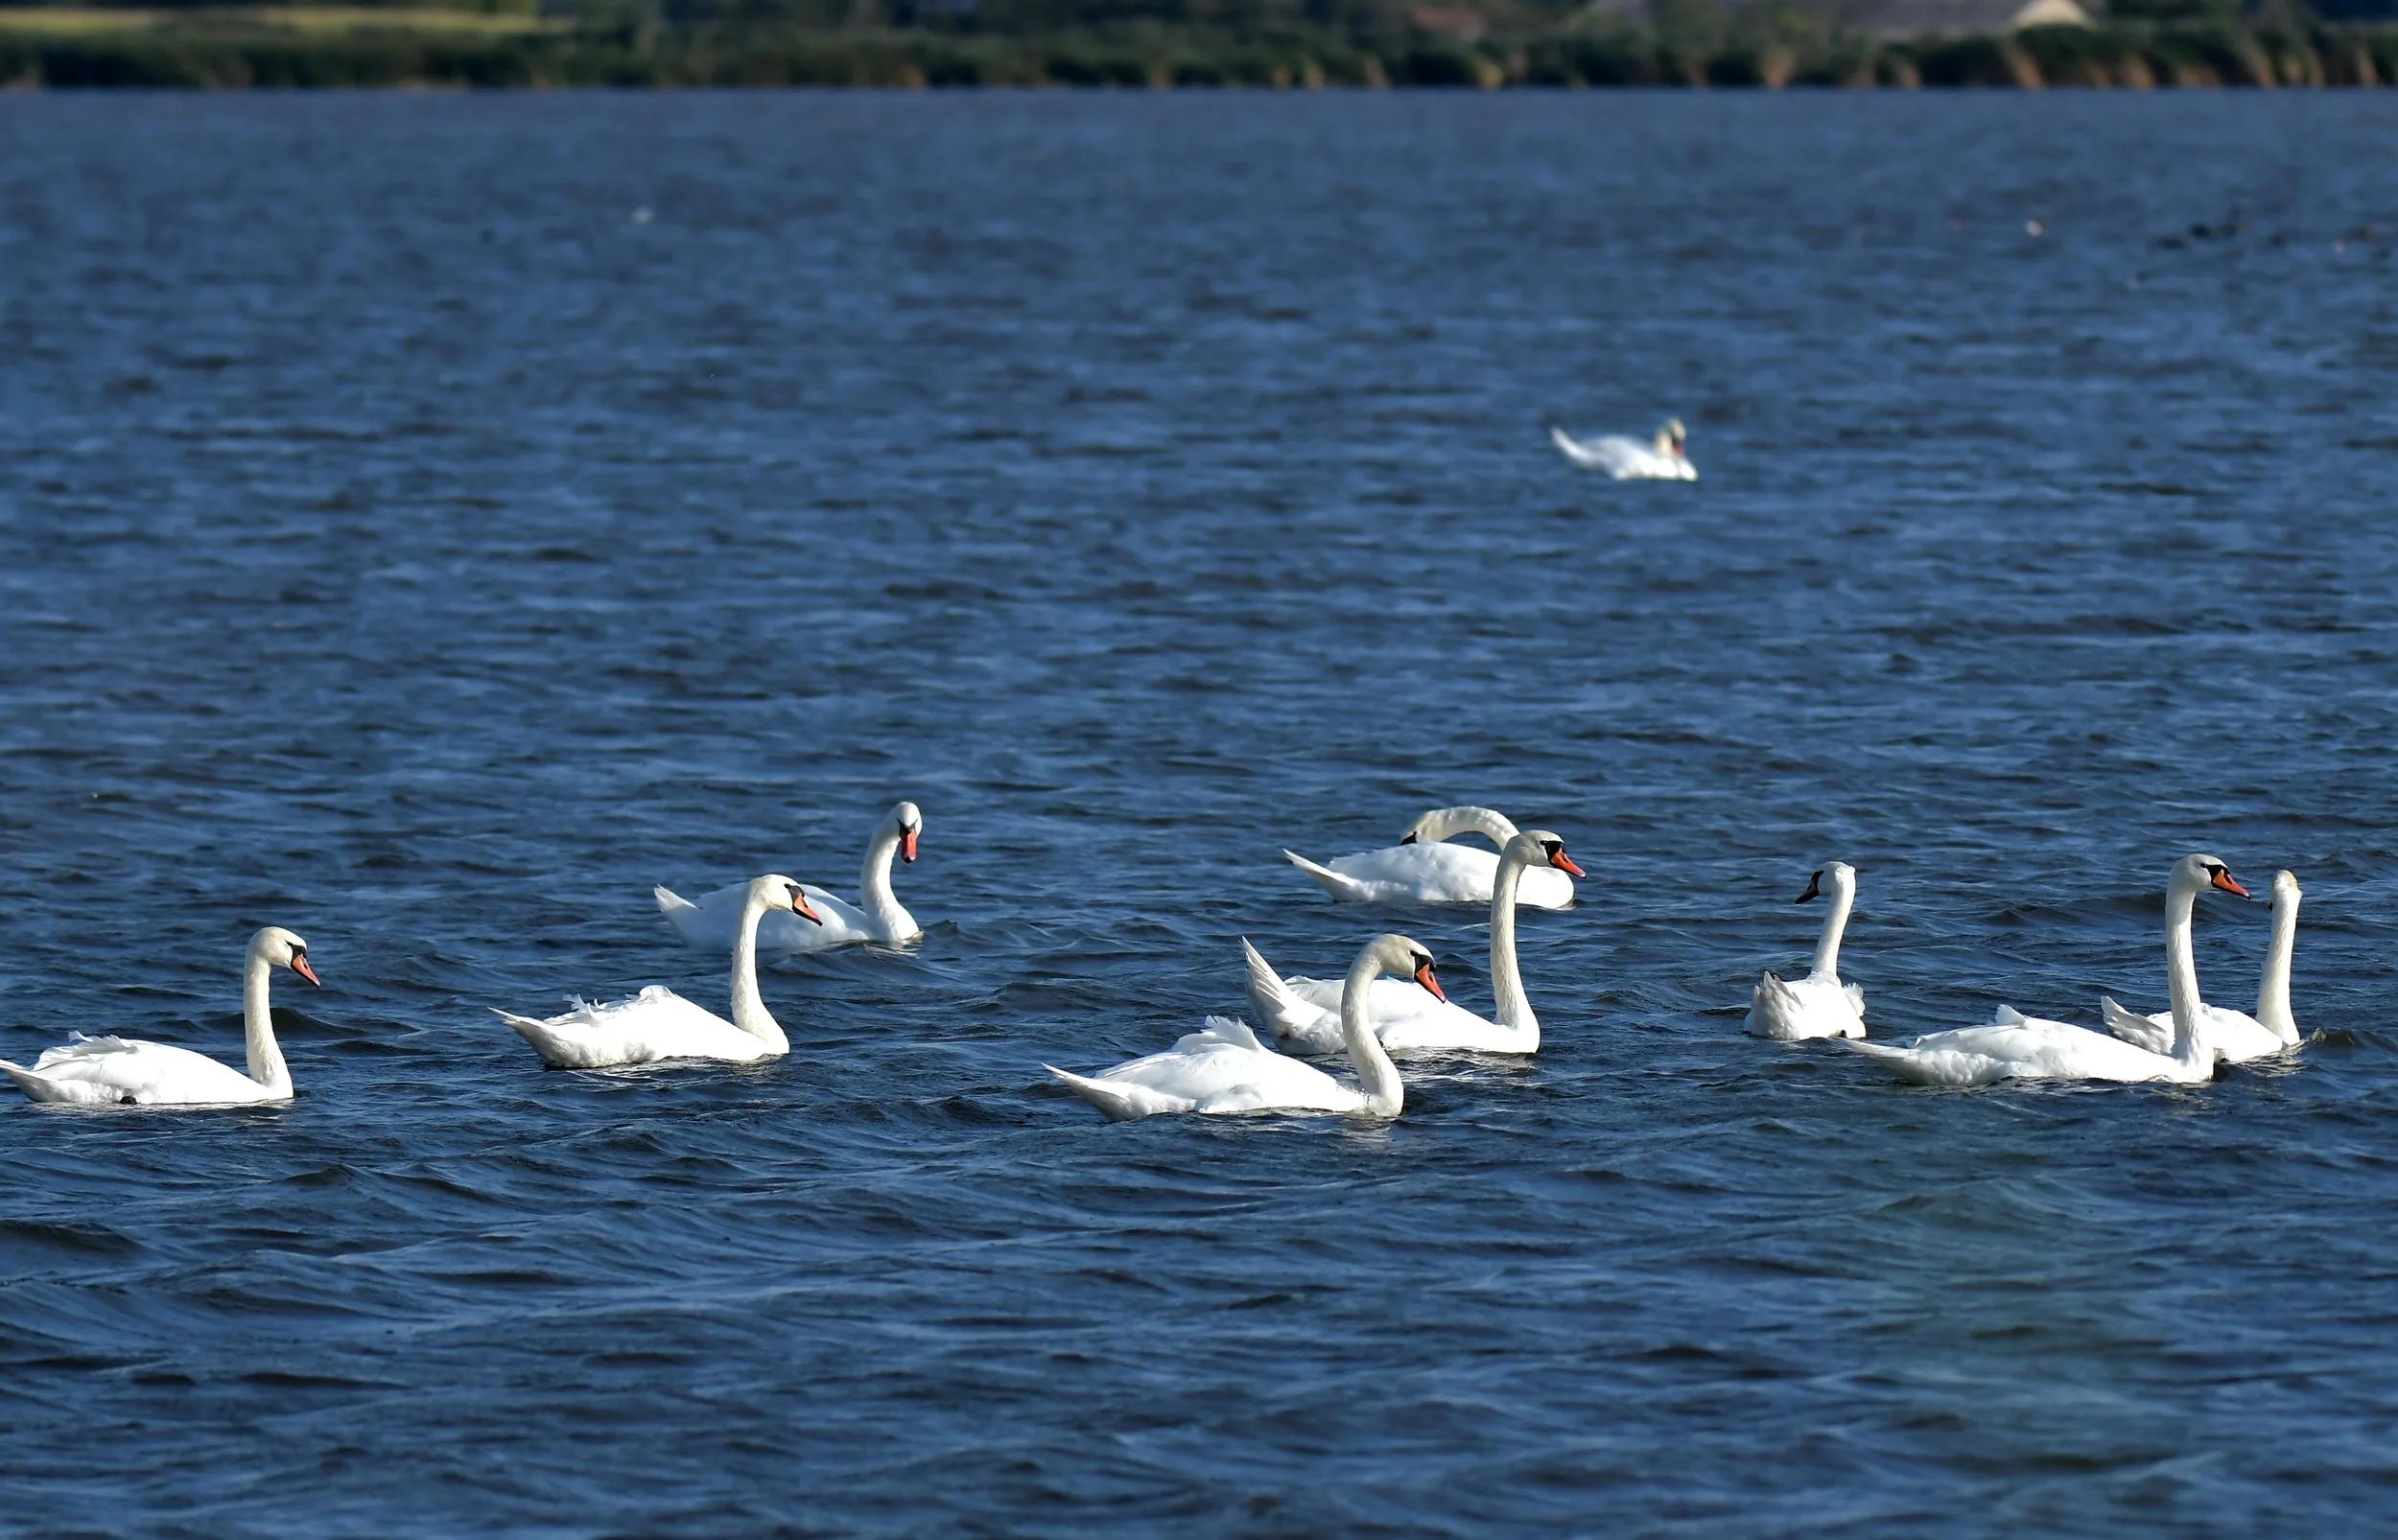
{"x": 1377, "y": 1078}
{"x": 1506, "y": 983}
{"x": 1842, "y": 898}
{"x": 266, "y": 1054}
{"x": 882, "y": 905}
{"x": 2273, "y": 996}
{"x": 749, "y": 1007}
{"x": 2181, "y": 973}
{"x": 1448, "y": 822}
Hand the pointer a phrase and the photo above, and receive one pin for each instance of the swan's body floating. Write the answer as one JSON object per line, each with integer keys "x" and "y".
{"x": 658, "y": 1023}
{"x": 714, "y": 919}
{"x": 1224, "y": 1068}
{"x": 1305, "y": 1013}
{"x": 104, "y": 1071}
{"x": 1666, "y": 458}
{"x": 2237, "y": 1035}
{"x": 2020, "y": 1047}
{"x": 1819, "y": 1005}
{"x": 1421, "y": 868}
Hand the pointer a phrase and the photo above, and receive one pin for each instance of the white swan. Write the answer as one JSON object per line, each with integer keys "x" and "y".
{"x": 2020, "y": 1047}
{"x": 2237, "y": 1035}
{"x": 1819, "y": 1005}
{"x": 713, "y": 920}
{"x": 99, "y": 1071}
{"x": 1422, "y": 869}
{"x": 1224, "y": 1068}
{"x": 1666, "y": 458}
{"x": 1306, "y": 1012}
{"x": 658, "y": 1023}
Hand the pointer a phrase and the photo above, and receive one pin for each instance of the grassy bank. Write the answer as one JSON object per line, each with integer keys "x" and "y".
{"x": 340, "y": 46}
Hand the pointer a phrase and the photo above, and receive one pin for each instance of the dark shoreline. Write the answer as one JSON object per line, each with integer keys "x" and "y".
{"x": 182, "y": 57}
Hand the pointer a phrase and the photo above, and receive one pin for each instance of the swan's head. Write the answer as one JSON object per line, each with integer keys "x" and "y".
{"x": 1406, "y": 959}
{"x": 2286, "y": 888}
{"x": 910, "y": 823}
{"x": 283, "y": 950}
{"x": 775, "y": 891}
{"x": 2193, "y": 874}
{"x": 1538, "y": 847}
{"x": 1838, "y": 876}
{"x": 1673, "y": 438}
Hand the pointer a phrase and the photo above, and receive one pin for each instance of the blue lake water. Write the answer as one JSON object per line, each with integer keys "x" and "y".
{"x": 426, "y": 522}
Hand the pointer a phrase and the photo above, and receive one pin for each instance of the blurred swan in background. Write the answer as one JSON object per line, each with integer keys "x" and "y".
{"x": 1666, "y": 457}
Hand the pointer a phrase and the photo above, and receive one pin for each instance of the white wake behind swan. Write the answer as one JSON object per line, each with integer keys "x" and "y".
{"x": 659, "y": 1025}
{"x": 128, "y": 1072}
{"x": 2237, "y": 1035}
{"x": 715, "y": 918}
{"x": 1819, "y": 1005}
{"x": 1223, "y": 1068}
{"x": 1664, "y": 457}
{"x": 1422, "y": 868}
{"x": 1305, "y": 1013}
{"x": 2020, "y": 1047}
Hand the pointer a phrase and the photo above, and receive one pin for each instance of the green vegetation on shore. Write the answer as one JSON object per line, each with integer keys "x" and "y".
{"x": 503, "y": 43}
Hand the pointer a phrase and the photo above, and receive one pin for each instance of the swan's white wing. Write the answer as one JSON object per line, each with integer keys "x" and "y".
{"x": 1796, "y": 1010}
{"x": 656, "y": 1024}
{"x": 98, "y": 1071}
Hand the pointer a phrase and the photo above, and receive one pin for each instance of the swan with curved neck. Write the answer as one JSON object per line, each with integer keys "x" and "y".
{"x": 2020, "y": 1047}
{"x": 2238, "y": 1035}
{"x": 1224, "y": 1068}
{"x": 658, "y": 1024}
{"x": 1303, "y": 1012}
{"x": 122, "y": 1072}
{"x": 1819, "y": 1005}
{"x": 1664, "y": 457}
{"x": 1422, "y": 868}
{"x": 713, "y": 920}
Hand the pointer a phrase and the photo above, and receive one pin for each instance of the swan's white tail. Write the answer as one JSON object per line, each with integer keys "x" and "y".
{"x": 1349, "y": 890}
{"x": 39, "y": 1087}
{"x": 1285, "y": 1015}
{"x": 1573, "y": 452}
{"x": 1120, "y": 1104}
{"x": 679, "y": 910}
{"x": 2136, "y": 1029}
{"x": 546, "y": 1041}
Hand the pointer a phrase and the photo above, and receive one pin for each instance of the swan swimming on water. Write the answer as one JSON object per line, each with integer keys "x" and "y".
{"x": 1224, "y": 1068}
{"x": 715, "y": 918}
{"x": 125, "y": 1071}
{"x": 1666, "y": 457}
{"x": 2238, "y": 1035}
{"x": 658, "y": 1023}
{"x": 1423, "y": 868}
{"x": 2020, "y": 1047}
{"x": 1819, "y": 1005}
{"x": 1306, "y": 1012}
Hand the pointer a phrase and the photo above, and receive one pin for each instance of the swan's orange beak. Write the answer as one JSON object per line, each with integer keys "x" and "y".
{"x": 1565, "y": 863}
{"x": 1424, "y": 976}
{"x": 2226, "y": 882}
{"x": 907, "y": 845}
{"x": 799, "y": 907}
{"x": 299, "y": 965}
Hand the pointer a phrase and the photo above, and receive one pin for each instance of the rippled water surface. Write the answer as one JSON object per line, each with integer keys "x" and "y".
{"x": 427, "y": 522}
